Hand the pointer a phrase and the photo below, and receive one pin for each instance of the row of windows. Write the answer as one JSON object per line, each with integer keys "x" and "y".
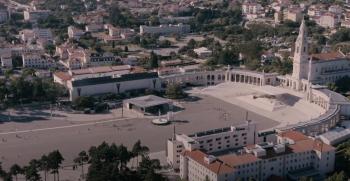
{"x": 226, "y": 137}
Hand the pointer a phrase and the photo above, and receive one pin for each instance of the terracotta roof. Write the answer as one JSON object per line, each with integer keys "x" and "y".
{"x": 322, "y": 147}
{"x": 235, "y": 160}
{"x": 327, "y": 56}
{"x": 309, "y": 145}
{"x": 216, "y": 166}
{"x": 63, "y": 76}
{"x": 294, "y": 135}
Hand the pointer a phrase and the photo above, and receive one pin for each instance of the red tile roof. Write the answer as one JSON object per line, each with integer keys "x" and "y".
{"x": 235, "y": 160}
{"x": 216, "y": 166}
{"x": 293, "y": 135}
{"x": 63, "y": 76}
{"x": 328, "y": 56}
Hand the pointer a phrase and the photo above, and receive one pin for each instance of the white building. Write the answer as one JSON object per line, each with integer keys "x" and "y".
{"x": 165, "y": 29}
{"x": 35, "y": 15}
{"x": 6, "y": 60}
{"x": 102, "y": 80}
{"x": 293, "y": 14}
{"x": 91, "y": 59}
{"x": 30, "y": 36}
{"x": 93, "y": 28}
{"x": 35, "y": 61}
{"x": 203, "y": 52}
{"x": 74, "y": 32}
{"x": 252, "y": 10}
{"x": 293, "y": 155}
{"x": 320, "y": 68}
{"x": 211, "y": 140}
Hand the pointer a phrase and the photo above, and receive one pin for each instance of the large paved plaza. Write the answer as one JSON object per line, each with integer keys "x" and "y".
{"x": 71, "y": 133}
{"x": 279, "y": 104}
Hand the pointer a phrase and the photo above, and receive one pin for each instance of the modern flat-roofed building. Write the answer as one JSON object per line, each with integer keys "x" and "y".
{"x": 149, "y": 104}
{"x": 165, "y": 29}
{"x": 107, "y": 79}
{"x": 293, "y": 156}
{"x": 212, "y": 141}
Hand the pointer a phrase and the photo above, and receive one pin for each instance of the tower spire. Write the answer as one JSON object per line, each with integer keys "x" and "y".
{"x": 300, "y": 61}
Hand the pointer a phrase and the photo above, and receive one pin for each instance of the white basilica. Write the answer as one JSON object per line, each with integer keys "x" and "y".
{"x": 316, "y": 69}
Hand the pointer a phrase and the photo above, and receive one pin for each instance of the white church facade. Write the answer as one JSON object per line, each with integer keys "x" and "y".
{"x": 314, "y": 69}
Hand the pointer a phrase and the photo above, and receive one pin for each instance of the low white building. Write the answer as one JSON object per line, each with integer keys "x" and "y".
{"x": 102, "y": 80}
{"x": 203, "y": 52}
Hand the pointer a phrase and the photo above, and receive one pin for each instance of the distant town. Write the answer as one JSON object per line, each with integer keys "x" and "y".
{"x": 174, "y": 90}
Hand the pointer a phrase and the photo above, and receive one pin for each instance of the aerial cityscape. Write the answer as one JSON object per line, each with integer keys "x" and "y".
{"x": 174, "y": 90}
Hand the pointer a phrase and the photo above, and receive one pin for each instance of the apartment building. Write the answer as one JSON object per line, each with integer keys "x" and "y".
{"x": 92, "y": 59}
{"x": 6, "y": 60}
{"x": 252, "y": 10}
{"x": 4, "y": 15}
{"x": 293, "y": 14}
{"x": 212, "y": 141}
{"x": 165, "y": 29}
{"x": 35, "y": 15}
{"x": 35, "y": 61}
{"x": 74, "y": 32}
{"x": 292, "y": 156}
{"x": 29, "y": 36}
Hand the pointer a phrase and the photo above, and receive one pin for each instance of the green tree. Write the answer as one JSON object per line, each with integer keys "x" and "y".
{"x": 82, "y": 159}
{"x": 31, "y": 172}
{"x": 174, "y": 91}
{"x": 337, "y": 177}
{"x": 44, "y": 165}
{"x": 55, "y": 161}
{"x": 17, "y": 61}
{"x": 15, "y": 170}
{"x": 153, "y": 60}
{"x": 139, "y": 150}
{"x": 153, "y": 21}
{"x": 50, "y": 48}
{"x": 81, "y": 103}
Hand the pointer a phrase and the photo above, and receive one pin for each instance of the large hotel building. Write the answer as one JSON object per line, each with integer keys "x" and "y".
{"x": 237, "y": 153}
